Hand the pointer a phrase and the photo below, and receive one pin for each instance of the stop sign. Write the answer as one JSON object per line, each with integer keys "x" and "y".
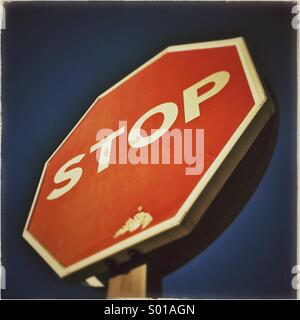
{"x": 116, "y": 183}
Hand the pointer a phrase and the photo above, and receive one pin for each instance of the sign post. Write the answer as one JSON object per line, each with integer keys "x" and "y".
{"x": 130, "y": 285}
{"x": 141, "y": 167}
{"x": 140, "y": 280}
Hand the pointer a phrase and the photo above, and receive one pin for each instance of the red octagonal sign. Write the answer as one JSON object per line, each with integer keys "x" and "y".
{"x": 129, "y": 174}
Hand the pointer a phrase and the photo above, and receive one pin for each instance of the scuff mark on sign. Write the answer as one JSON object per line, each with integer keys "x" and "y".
{"x": 140, "y": 220}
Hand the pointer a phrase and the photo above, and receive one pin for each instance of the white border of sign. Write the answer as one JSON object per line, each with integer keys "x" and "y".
{"x": 259, "y": 98}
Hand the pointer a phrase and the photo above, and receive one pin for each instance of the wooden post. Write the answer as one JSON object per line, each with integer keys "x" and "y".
{"x": 140, "y": 281}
